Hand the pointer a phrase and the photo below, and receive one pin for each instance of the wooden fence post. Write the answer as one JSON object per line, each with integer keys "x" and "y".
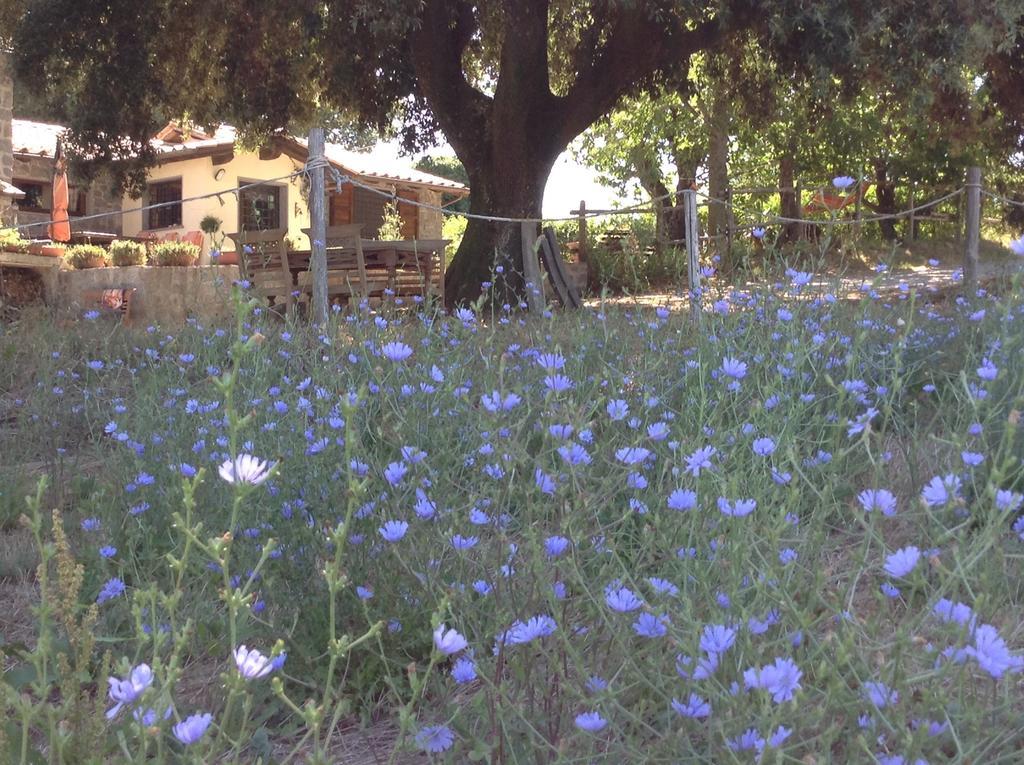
{"x": 318, "y": 226}
{"x": 973, "y": 230}
{"x": 531, "y": 268}
{"x": 802, "y": 229}
{"x": 583, "y": 232}
{"x": 910, "y": 234}
{"x": 857, "y": 205}
{"x": 730, "y": 225}
{"x": 692, "y": 248}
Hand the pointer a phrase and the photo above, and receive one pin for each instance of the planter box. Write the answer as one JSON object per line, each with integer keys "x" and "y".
{"x": 179, "y": 263}
{"x": 225, "y": 259}
{"x": 46, "y": 250}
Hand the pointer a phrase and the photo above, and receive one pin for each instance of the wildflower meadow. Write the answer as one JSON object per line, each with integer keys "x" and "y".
{"x": 787, "y": 529}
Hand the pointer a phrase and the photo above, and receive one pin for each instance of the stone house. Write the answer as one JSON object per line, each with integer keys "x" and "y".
{"x": 27, "y": 151}
{"x": 196, "y": 163}
{"x": 193, "y": 163}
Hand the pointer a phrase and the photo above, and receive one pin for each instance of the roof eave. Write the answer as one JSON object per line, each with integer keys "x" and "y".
{"x": 460, "y": 191}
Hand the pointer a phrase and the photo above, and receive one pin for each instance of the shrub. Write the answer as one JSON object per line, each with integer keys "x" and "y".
{"x": 391, "y": 223}
{"x": 210, "y": 224}
{"x": 453, "y": 229}
{"x": 174, "y": 254}
{"x": 126, "y": 253}
{"x": 11, "y": 241}
{"x": 87, "y": 256}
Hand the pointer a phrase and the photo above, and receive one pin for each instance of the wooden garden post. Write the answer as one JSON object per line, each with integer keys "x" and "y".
{"x": 318, "y": 226}
{"x": 531, "y": 268}
{"x": 858, "y": 204}
{"x": 913, "y": 222}
{"x": 583, "y": 231}
{"x": 730, "y": 225}
{"x": 692, "y": 248}
{"x": 972, "y": 233}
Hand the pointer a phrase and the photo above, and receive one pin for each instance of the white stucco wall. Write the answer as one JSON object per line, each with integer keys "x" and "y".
{"x": 197, "y": 177}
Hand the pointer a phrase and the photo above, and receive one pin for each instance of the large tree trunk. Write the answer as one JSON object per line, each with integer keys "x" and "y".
{"x": 675, "y": 212}
{"x": 718, "y": 163}
{"x": 885, "y": 190}
{"x": 509, "y": 141}
{"x": 488, "y": 245}
{"x": 788, "y": 203}
{"x": 669, "y": 211}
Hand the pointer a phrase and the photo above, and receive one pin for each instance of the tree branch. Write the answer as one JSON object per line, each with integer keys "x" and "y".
{"x": 436, "y": 49}
{"x": 524, "y": 55}
{"x": 637, "y": 48}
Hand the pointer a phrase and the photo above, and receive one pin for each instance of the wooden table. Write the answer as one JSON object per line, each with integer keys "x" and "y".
{"x": 419, "y": 261}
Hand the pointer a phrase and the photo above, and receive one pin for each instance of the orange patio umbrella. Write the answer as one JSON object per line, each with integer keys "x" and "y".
{"x": 60, "y": 224}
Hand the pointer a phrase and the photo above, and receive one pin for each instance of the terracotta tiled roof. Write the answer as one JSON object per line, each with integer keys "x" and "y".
{"x": 36, "y": 138}
{"x": 362, "y": 165}
{"x": 222, "y": 136}
{"x": 40, "y": 139}
{"x": 385, "y": 169}
{"x": 8, "y": 190}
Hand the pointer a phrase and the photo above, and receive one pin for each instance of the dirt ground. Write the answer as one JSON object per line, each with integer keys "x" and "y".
{"x": 927, "y": 268}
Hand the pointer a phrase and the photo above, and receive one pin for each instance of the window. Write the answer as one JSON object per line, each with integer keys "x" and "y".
{"x": 37, "y": 195}
{"x": 260, "y": 208}
{"x": 160, "y": 193}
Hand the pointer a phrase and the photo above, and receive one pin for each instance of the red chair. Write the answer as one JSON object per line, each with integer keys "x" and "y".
{"x": 194, "y": 237}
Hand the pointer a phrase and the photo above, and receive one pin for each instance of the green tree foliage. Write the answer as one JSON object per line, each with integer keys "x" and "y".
{"x": 790, "y": 126}
{"x": 510, "y": 85}
{"x": 664, "y": 141}
{"x": 447, "y": 167}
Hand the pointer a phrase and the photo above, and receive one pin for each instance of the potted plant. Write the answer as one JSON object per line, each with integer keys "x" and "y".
{"x": 127, "y": 253}
{"x": 210, "y": 225}
{"x": 87, "y": 256}
{"x": 11, "y": 241}
{"x": 52, "y": 250}
{"x": 174, "y": 254}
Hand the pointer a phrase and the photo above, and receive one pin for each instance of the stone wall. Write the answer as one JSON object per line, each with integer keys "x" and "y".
{"x": 164, "y": 295}
{"x": 430, "y": 221}
{"x": 99, "y": 199}
{"x": 6, "y": 137}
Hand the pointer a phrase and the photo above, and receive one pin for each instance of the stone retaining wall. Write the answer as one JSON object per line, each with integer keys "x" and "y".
{"x": 164, "y": 295}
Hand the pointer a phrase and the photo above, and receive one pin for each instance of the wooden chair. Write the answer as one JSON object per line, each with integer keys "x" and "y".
{"x": 263, "y": 260}
{"x": 415, "y": 271}
{"x": 194, "y": 237}
{"x": 346, "y": 266}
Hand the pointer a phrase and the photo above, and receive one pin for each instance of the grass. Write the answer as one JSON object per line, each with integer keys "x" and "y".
{"x": 496, "y": 438}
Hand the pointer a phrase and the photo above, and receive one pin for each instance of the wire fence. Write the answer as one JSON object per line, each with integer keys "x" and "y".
{"x": 160, "y": 205}
{"x": 646, "y": 207}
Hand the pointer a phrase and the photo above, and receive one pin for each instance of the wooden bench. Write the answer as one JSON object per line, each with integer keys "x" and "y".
{"x": 373, "y": 268}
{"x": 263, "y": 261}
{"x": 406, "y": 267}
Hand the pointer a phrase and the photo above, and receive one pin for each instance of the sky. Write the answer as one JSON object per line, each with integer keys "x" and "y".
{"x": 568, "y": 184}
{"x": 571, "y": 182}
